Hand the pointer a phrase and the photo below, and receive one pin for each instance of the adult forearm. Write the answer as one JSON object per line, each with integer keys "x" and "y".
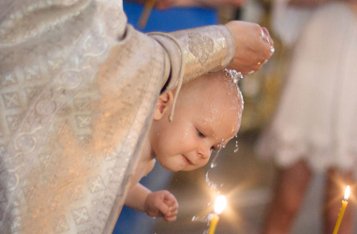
{"x": 191, "y": 53}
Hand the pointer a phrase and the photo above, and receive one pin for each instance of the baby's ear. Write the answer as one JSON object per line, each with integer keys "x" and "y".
{"x": 163, "y": 103}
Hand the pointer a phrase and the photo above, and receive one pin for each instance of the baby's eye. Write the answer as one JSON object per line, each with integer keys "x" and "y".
{"x": 200, "y": 134}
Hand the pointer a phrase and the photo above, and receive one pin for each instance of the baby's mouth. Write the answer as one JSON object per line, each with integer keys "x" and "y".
{"x": 189, "y": 162}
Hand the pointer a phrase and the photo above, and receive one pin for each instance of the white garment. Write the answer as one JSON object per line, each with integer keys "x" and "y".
{"x": 288, "y": 22}
{"x": 315, "y": 119}
{"x": 77, "y": 90}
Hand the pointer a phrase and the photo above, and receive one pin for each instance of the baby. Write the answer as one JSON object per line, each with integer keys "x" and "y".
{"x": 207, "y": 115}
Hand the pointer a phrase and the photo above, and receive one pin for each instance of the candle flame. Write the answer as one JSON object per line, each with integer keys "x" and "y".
{"x": 220, "y": 204}
{"x": 347, "y": 192}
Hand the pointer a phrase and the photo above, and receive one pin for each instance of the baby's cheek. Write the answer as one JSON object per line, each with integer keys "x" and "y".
{"x": 202, "y": 163}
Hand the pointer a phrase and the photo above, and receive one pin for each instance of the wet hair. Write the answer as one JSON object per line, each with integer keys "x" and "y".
{"x": 223, "y": 78}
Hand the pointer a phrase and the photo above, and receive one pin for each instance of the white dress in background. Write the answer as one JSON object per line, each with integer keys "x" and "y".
{"x": 317, "y": 113}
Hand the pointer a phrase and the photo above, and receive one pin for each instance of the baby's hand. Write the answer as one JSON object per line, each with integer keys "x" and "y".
{"x": 161, "y": 203}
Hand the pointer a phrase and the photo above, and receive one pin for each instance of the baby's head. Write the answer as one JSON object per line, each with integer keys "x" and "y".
{"x": 207, "y": 115}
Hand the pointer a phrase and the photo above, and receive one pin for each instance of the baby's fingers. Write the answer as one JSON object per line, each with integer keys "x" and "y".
{"x": 171, "y": 216}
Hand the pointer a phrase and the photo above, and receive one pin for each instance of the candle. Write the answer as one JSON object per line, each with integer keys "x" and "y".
{"x": 344, "y": 203}
{"x": 214, "y": 218}
{"x": 220, "y": 204}
{"x": 149, "y": 4}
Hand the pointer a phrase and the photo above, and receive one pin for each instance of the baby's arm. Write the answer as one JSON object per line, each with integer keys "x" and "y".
{"x": 156, "y": 204}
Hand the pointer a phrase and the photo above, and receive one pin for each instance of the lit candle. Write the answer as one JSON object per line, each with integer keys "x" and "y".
{"x": 344, "y": 203}
{"x": 220, "y": 204}
{"x": 214, "y": 218}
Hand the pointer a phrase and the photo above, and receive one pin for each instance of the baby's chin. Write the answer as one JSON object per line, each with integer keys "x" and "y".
{"x": 169, "y": 167}
{"x": 178, "y": 164}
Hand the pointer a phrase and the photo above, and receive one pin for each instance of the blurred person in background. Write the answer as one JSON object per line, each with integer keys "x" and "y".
{"x": 313, "y": 128}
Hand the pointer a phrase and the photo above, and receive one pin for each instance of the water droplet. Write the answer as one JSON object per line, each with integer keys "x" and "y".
{"x": 210, "y": 183}
{"x": 215, "y": 155}
{"x": 213, "y": 165}
{"x": 202, "y": 219}
{"x": 236, "y": 147}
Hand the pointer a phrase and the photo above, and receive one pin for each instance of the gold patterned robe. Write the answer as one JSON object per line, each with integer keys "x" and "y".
{"x": 77, "y": 90}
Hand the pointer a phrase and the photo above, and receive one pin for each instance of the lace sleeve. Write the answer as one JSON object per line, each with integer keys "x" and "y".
{"x": 194, "y": 52}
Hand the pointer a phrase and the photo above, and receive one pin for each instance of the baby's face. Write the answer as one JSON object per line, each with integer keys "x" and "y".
{"x": 201, "y": 124}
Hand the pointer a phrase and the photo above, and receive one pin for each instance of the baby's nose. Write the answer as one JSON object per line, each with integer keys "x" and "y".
{"x": 205, "y": 152}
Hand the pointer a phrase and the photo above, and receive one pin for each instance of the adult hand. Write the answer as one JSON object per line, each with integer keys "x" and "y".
{"x": 254, "y": 46}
